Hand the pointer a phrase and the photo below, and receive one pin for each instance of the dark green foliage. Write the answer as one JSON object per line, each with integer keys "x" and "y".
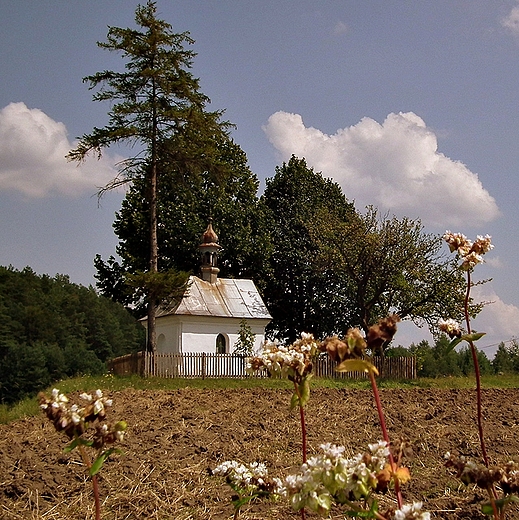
{"x": 187, "y": 168}
{"x": 334, "y": 268}
{"x": 51, "y": 329}
{"x": 301, "y": 295}
{"x": 440, "y": 361}
{"x": 185, "y": 203}
{"x": 506, "y": 360}
{"x": 466, "y": 363}
{"x": 397, "y": 352}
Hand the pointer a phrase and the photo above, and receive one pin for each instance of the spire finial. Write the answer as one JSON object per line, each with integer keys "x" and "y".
{"x": 209, "y": 254}
{"x": 209, "y": 236}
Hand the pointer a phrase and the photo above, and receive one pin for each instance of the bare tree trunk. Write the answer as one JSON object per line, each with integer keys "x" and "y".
{"x": 152, "y": 299}
{"x": 154, "y": 264}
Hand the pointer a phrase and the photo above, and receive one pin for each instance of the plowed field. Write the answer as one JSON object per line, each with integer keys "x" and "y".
{"x": 175, "y": 436}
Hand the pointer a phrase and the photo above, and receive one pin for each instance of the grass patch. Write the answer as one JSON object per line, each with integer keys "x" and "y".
{"x": 29, "y": 407}
{"x": 26, "y": 408}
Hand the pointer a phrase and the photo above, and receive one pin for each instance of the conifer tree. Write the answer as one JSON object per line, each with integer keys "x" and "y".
{"x": 156, "y": 106}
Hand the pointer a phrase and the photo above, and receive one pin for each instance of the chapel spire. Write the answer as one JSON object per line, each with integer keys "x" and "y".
{"x": 209, "y": 254}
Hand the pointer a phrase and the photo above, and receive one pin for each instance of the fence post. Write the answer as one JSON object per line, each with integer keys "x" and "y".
{"x": 203, "y": 365}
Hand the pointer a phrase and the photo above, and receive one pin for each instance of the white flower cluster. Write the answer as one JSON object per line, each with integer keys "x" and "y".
{"x": 76, "y": 414}
{"x": 470, "y": 252}
{"x": 451, "y": 327}
{"x": 412, "y": 512}
{"x": 98, "y": 400}
{"x": 253, "y": 476}
{"x": 331, "y": 477}
{"x": 74, "y": 419}
{"x": 286, "y": 361}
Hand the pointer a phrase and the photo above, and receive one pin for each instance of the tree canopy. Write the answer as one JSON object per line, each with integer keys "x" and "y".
{"x": 156, "y": 105}
{"x": 440, "y": 360}
{"x": 300, "y": 294}
{"x": 333, "y": 267}
{"x": 51, "y": 328}
{"x": 392, "y": 266}
{"x": 185, "y": 202}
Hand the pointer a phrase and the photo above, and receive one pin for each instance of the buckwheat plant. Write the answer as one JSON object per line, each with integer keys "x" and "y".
{"x": 326, "y": 480}
{"x": 294, "y": 362}
{"x": 331, "y": 479}
{"x": 471, "y": 254}
{"x": 486, "y": 478}
{"x": 350, "y": 354}
{"x": 86, "y": 426}
{"x": 250, "y": 482}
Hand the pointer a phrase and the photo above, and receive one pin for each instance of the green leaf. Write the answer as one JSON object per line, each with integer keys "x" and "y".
{"x": 74, "y": 444}
{"x": 78, "y": 441}
{"x": 357, "y": 365}
{"x": 294, "y": 402}
{"x": 473, "y": 337}
{"x": 487, "y": 508}
{"x": 361, "y": 514}
{"x": 452, "y": 345}
{"x": 372, "y": 513}
{"x": 242, "y": 501}
{"x": 98, "y": 463}
{"x": 304, "y": 390}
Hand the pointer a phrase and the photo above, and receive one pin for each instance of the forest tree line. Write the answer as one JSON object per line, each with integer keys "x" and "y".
{"x": 51, "y": 329}
{"x": 440, "y": 360}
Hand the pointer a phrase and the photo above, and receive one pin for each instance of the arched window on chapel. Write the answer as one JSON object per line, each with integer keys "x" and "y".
{"x": 221, "y": 344}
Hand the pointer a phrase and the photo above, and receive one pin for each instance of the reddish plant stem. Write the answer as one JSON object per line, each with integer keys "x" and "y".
{"x": 477, "y": 374}
{"x": 385, "y": 435}
{"x": 95, "y": 485}
{"x": 479, "y": 400}
{"x": 303, "y": 433}
{"x": 493, "y": 497}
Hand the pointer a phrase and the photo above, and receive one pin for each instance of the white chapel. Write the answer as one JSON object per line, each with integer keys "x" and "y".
{"x": 208, "y": 316}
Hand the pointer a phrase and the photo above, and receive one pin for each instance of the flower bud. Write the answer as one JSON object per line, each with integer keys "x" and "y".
{"x": 120, "y": 426}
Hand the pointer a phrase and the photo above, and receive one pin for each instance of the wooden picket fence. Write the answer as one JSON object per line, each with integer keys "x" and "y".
{"x": 205, "y": 365}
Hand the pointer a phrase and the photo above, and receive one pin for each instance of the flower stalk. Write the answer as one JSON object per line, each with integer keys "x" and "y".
{"x": 76, "y": 422}
{"x": 385, "y": 436}
{"x": 471, "y": 254}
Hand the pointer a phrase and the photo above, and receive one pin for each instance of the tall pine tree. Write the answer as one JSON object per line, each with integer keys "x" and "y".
{"x": 157, "y": 106}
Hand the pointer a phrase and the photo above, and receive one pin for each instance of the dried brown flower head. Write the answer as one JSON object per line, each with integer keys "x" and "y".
{"x": 382, "y": 332}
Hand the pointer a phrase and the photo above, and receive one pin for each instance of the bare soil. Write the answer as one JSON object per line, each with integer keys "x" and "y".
{"x": 175, "y": 436}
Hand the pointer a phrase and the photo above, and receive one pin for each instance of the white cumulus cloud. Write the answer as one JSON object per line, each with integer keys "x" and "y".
{"x": 32, "y": 157}
{"x": 395, "y": 166}
{"x": 511, "y": 22}
{"x": 498, "y": 319}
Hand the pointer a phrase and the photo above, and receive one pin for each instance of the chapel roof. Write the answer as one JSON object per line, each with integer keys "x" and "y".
{"x": 226, "y": 298}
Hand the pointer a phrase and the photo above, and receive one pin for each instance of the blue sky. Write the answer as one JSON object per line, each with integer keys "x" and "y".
{"x": 411, "y": 106}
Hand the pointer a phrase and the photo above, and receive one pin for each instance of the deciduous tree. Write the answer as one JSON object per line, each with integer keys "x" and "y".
{"x": 301, "y": 294}
{"x": 391, "y": 265}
